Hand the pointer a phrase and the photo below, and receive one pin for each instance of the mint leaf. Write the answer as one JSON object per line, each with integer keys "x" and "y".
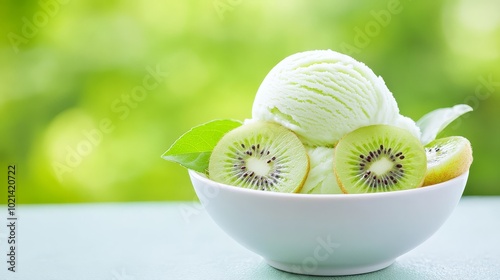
{"x": 434, "y": 122}
{"x": 192, "y": 150}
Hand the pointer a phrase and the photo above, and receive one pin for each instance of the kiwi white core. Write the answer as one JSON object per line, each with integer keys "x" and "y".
{"x": 258, "y": 165}
{"x": 381, "y": 166}
{"x": 442, "y": 153}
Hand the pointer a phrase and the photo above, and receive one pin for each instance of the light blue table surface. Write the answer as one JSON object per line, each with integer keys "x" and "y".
{"x": 132, "y": 241}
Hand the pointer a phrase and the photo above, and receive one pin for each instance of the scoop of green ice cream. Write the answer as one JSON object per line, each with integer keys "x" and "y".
{"x": 321, "y": 95}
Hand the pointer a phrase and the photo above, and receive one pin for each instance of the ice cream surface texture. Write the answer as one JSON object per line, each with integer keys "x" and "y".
{"x": 321, "y": 95}
{"x": 321, "y": 179}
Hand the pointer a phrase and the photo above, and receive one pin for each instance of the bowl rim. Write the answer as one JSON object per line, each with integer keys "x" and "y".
{"x": 430, "y": 188}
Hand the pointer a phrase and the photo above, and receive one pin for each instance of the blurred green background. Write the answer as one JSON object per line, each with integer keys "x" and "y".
{"x": 93, "y": 92}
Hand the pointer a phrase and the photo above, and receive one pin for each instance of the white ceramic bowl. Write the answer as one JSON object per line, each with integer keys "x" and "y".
{"x": 333, "y": 234}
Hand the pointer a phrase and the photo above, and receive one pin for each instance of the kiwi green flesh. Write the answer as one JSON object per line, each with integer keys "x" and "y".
{"x": 447, "y": 158}
{"x": 262, "y": 156}
{"x": 379, "y": 158}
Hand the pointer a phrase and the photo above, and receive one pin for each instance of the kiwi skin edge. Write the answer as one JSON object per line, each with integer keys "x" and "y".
{"x": 308, "y": 166}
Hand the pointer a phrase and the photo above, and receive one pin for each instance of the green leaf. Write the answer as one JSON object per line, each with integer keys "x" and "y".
{"x": 193, "y": 149}
{"x": 434, "y": 122}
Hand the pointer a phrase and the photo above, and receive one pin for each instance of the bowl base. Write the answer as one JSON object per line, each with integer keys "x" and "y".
{"x": 328, "y": 270}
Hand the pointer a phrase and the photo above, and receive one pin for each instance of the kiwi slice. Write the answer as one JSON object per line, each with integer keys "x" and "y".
{"x": 447, "y": 158}
{"x": 379, "y": 158}
{"x": 260, "y": 155}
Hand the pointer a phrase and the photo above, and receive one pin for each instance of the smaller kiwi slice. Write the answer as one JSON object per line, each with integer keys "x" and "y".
{"x": 379, "y": 158}
{"x": 262, "y": 156}
{"x": 447, "y": 158}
